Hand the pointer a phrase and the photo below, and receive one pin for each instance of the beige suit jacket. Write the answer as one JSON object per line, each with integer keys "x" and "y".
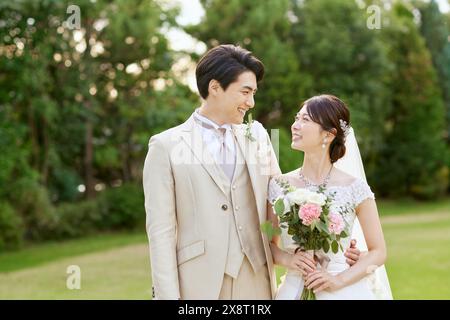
{"x": 185, "y": 215}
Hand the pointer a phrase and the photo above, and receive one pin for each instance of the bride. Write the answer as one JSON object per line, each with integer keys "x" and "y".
{"x": 331, "y": 160}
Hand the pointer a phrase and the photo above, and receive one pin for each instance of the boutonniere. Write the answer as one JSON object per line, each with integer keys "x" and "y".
{"x": 248, "y": 128}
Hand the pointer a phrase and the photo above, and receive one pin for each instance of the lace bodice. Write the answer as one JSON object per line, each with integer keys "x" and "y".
{"x": 353, "y": 194}
{"x": 347, "y": 197}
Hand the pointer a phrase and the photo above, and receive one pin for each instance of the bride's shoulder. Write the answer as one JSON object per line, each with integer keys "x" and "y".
{"x": 289, "y": 177}
{"x": 277, "y": 182}
{"x": 275, "y": 188}
{"x": 358, "y": 188}
{"x": 341, "y": 178}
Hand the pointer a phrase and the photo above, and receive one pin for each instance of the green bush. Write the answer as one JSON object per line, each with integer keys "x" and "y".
{"x": 76, "y": 219}
{"x": 11, "y": 227}
{"x": 63, "y": 185}
{"x": 113, "y": 209}
{"x": 122, "y": 207}
{"x": 32, "y": 202}
{"x": 432, "y": 187}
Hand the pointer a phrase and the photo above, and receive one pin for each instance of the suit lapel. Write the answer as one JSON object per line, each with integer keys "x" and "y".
{"x": 249, "y": 150}
{"x": 193, "y": 138}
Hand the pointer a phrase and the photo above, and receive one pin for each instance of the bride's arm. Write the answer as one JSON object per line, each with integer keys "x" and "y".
{"x": 298, "y": 261}
{"x": 376, "y": 255}
{"x": 376, "y": 247}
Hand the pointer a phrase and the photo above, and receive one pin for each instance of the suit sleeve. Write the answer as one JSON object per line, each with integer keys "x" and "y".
{"x": 161, "y": 221}
{"x": 273, "y": 168}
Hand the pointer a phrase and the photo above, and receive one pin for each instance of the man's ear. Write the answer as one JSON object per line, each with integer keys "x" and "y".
{"x": 213, "y": 87}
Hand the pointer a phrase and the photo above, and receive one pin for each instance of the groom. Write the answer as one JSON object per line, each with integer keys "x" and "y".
{"x": 205, "y": 184}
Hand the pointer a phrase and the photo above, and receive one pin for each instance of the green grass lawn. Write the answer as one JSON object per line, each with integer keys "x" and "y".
{"x": 120, "y": 273}
{"x": 35, "y": 255}
{"x": 116, "y": 266}
{"x": 409, "y": 206}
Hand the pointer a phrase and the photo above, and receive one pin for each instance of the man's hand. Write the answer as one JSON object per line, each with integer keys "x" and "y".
{"x": 352, "y": 254}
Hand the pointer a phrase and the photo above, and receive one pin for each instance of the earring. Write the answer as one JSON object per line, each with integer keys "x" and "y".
{"x": 324, "y": 143}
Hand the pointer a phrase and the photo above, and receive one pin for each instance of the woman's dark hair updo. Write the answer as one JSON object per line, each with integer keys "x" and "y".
{"x": 328, "y": 111}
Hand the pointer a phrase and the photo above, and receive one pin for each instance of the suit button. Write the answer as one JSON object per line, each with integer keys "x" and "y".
{"x": 233, "y": 187}
{"x": 240, "y": 227}
{"x": 224, "y": 207}
{"x": 237, "y": 208}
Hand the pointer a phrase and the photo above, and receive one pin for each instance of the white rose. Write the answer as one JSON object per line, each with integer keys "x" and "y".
{"x": 287, "y": 205}
{"x": 316, "y": 198}
{"x": 298, "y": 196}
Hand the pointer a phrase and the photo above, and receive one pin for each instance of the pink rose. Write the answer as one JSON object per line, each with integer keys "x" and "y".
{"x": 336, "y": 223}
{"x": 309, "y": 213}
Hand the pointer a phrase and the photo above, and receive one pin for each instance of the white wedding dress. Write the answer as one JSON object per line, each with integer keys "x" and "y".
{"x": 373, "y": 286}
{"x": 349, "y": 197}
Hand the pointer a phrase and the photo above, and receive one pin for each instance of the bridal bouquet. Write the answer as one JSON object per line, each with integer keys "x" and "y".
{"x": 311, "y": 222}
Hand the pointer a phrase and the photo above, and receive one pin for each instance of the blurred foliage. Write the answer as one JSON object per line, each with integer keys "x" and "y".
{"x": 435, "y": 28}
{"x": 122, "y": 208}
{"x": 288, "y": 159}
{"x": 11, "y": 227}
{"x": 414, "y": 146}
{"x": 77, "y": 107}
{"x": 75, "y": 219}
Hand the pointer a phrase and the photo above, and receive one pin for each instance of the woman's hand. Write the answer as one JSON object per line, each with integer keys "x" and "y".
{"x": 301, "y": 261}
{"x": 322, "y": 280}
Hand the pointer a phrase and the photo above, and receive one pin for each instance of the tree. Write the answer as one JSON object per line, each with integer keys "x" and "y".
{"x": 413, "y": 160}
{"x": 86, "y": 95}
{"x": 77, "y": 106}
{"x": 435, "y": 29}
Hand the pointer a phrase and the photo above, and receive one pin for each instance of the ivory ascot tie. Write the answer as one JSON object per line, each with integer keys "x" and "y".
{"x": 226, "y": 158}
{"x": 227, "y": 161}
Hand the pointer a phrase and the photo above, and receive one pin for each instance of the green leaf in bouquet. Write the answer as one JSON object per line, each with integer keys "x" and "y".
{"x": 343, "y": 234}
{"x": 322, "y": 226}
{"x": 295, "y": 217}
{"x": 334, "y": 246}
{"x": 268, "y": 229}
{"x": 291, "y": 230}
{"x": 326, "y": 246}
{"x": 279, "y": 207}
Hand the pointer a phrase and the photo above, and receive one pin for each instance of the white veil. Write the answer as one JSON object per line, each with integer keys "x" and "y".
{"x": 352, "y": 164}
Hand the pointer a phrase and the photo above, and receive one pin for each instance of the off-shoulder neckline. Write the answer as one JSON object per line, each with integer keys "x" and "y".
{"x": 351, "y": 184}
